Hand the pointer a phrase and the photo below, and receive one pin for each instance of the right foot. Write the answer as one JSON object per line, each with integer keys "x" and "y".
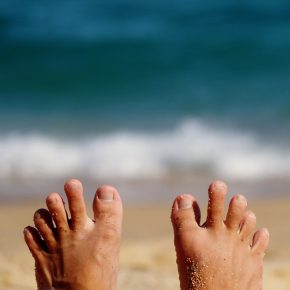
{"x": 78, "y": 253}
{"x": 219, "y": 255}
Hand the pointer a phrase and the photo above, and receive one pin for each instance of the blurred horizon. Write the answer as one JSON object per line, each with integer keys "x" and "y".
{"x": 144, "y": 89}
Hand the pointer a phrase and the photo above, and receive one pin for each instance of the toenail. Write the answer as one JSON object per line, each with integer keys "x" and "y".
{"x": 106, "y": 195}
{"x": 240, "y": 199}
{"x": 184, "y": 203}
{"x": 266, "y": 233}
{"x": 218, "y": 186}
{"x": 37, "y": 215}
{"x": 74, "y": 183}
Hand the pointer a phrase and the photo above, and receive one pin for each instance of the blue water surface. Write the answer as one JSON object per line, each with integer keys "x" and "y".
{"x": 97, "y": 66}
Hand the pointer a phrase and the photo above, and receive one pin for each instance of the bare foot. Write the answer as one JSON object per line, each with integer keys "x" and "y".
{"x": 219, "y": 255}
{"x": 78, "y": 253}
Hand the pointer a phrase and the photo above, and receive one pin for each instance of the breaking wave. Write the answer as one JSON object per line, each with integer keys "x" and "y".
{"x": 192, "y": 146}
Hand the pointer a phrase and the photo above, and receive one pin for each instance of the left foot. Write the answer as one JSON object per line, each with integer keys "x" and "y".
{"x": 79, "y": 253}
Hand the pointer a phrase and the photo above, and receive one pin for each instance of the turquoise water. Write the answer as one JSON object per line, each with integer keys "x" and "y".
{"x": 156, "y": 87}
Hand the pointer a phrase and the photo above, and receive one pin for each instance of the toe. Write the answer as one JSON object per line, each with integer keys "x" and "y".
{"x": 56, "y": 208}
{"x": 247, "y": 225}
{"x": 34, "y": 242}
{"x": 185, "y": 213}
{"x": 74, "y": 193}
{"x": 108, "y": 212}
{"x": 260, "y": 241}
{"x": 43, "y": 223}
{"x": 236, "y": 212}
{"x": 217, "y": 192}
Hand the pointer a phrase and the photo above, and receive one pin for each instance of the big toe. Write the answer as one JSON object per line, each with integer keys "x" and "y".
{"x": 74, "y": 192}
{"x": 185, "y": 215}
{"x": 217, "y": 192}
{"x": 108, "y": 213}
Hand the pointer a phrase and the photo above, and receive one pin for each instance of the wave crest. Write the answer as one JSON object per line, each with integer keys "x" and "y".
{"x": 190, "y": 147}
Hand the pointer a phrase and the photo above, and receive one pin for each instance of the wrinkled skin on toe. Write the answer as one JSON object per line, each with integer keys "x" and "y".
{"x": 77, "y": 253}
{"x": 220, "y": 254}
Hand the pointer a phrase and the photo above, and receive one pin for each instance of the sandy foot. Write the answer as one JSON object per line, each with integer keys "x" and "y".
{"x": 218, "y": 255}
{"x": 77, "y": 253}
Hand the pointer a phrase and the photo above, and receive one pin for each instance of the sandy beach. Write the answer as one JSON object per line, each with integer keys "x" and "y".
{"x": 147, "y": 255}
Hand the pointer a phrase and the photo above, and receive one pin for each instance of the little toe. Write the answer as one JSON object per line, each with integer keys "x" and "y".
{"x": 74, "y": 192}
{"x": 56, "y": 208}
{"x": 217, "y": 192}
{"x": 185, "y": 215}
{"x": 108, "y": 212}
{"x": 237, "y": 207}
{"x": 247, "y": 225}
{"x": 34, "y": 242}
{"x": 260, "y": 241}
{"x": 43, "y": 223}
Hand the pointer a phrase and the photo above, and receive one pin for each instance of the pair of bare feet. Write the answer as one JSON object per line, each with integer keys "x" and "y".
{"x": 82, "y": 254}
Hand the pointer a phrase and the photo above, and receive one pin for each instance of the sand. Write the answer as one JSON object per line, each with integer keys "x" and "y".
{"x": 147, "y": 256}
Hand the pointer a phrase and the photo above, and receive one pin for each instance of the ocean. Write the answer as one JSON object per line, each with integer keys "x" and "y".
{"x": 138, "y": 90}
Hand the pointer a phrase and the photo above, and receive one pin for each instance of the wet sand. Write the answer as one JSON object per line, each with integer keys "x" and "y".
{"x": 147, "y": 256}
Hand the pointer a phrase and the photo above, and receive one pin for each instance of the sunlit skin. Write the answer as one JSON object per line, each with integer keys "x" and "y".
{"x": 78, "y": 253}
{"x": 220, "y": 254}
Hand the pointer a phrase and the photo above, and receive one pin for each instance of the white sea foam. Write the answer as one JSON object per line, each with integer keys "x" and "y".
{"x": 191, "y": 146}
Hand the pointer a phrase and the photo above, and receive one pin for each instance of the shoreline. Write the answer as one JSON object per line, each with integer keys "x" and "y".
{"x": 146, "y": 191}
